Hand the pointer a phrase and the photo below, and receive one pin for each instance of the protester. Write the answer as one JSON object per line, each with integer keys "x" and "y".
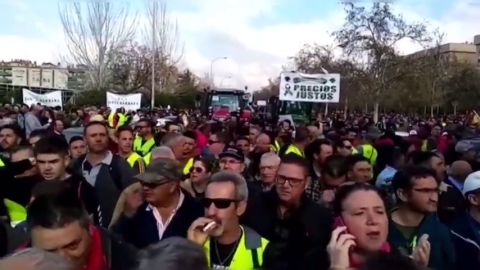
{"x": 333, "y": 175}
{"x": 59, "y": 224}
{"x": 302, "y": 139}
{"x": 125, "y": 149}
{"x": 466, "y": 227}
{"x": 216, "y": 143}
{"x": 35, "y": 259}
{"x": 344, "y": 147}
{"x": 10, "y": 139}
{"x": 417, "y": 191}
{"x": 298, "y": 229}
{"x": 269, "y": 164}
{"x": 359, "y": 169}
{"x": 200, "y": 173}
{"x": 174, "y": 253}
{"x": 77, "y": 147}
{"x": 145, "y": 142}
{"x": 361, "y": 228}
{"x": 109, "y": 174}
{"x": 32, "y": 120}
{"x": 227, "y": 244}
{"x": 36, "y": 135}
{"x": 164, "y": 210}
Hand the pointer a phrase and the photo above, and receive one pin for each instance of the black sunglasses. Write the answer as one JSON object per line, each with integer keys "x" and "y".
{"x": 219, "y": 203}
{"x": 196, "y": 169}
{"x": 151, "y": 185}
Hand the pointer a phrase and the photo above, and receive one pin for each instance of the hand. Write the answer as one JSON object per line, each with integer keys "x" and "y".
{"x": 133, "y": 200}
{"x": 421, "y": 254}
{"x": 196, "y": 234}
{"x": 328, "y": 195}
{"x": 339, "y": 247}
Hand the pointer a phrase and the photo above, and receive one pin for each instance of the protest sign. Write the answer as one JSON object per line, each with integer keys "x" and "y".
{"x": 51, "y": 99}
{"x": 131, "y": 102}
{"x": 323, "y": 88}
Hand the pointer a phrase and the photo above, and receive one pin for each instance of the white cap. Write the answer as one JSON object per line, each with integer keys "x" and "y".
{"x": 413, "y": 132}
{"x": 472, "y": 183}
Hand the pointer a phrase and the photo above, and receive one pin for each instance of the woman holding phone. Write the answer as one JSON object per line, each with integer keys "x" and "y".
{"x": 361, "y": 228}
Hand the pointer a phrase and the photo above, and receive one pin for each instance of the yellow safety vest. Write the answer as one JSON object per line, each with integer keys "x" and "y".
{"x": 276, "y": 147}
{"x": 143, "y": 149}
{"x": 16, "y": 212}
{"x": 122, "y": 119}
{"x": 293, "y": 149}
{"x": 249, "y": 253}
{"x": 2, "y": 164}
{"x": 188, "y": 166}
{"x": 369, "y": 152}
{"x": 147, "y": 159}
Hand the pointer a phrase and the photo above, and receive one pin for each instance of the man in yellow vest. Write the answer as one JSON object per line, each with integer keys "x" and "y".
{"x": 125, "y": 149}
{"x": 302, "y": 139}
{"x": 144, "y": 141}
{"x": 227, "y": 244}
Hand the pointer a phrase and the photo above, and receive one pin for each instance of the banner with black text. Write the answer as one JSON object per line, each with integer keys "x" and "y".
{"x": 51, "y": 99}
{"x": 130, "y": 102}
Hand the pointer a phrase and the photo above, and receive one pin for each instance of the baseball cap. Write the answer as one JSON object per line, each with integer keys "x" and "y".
{"x": 161, "y": 171}
{"x": 232, "y": 152}
{"x": 472, "y": 183}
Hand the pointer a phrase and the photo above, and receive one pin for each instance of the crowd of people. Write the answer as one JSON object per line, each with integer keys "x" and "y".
{"x": 172, "y": 190}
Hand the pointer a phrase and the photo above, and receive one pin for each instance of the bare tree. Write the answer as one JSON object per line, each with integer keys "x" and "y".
{"x": 373, "y": 34}
{"x": 94, "y": 31}
{"x": 162, "y": 33}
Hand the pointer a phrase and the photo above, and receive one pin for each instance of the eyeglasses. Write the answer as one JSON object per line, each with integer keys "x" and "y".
{"x": 196, "y": 169}
{"x": 151, "y": 185}
{"x": 219, "y": 203}
{"x": 293, "y": 182}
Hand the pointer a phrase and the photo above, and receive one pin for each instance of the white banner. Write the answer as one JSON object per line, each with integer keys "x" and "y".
{"x": 131, "y": 102}
{"x": 51, "y": 99}
{"x": 323, "y": 88}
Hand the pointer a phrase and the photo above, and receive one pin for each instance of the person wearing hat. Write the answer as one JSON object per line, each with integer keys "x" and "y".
{"x": 232, "y": 160}
{"x": 465, "y": 229}
{"x": 163, "y": 211}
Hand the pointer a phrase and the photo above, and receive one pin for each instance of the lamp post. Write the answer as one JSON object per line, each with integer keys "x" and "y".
{"x": 212, "y": 79}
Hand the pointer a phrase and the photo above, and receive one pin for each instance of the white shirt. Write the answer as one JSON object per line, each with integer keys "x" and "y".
{"x": 162, "y": 226}
{"x": 91, "y": 175}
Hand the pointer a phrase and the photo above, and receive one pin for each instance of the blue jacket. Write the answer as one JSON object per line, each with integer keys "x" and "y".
{"x": 466, "y": 243}
{"x": 141, "y": 230}
{"x": 442, "y": 254}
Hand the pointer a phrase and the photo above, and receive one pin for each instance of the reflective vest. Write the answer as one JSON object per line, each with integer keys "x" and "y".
{"x": 188, "y": 166}
{"x": 249, "y": 253}
{"x": 293, "y": 149}
{"x": 2, "y": 164}
{"x": 16, "y": 212}
{"x": 143, "y": 149}
{"x": 369, "y": 152}
{"x": 133, "y": 158}
{"x": 276, "y": 147}
{"x": 147, "y": 159}
{"x": 122, "y": 119}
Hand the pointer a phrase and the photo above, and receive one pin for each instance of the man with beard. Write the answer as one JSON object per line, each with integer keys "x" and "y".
{"x": 145, "y": 141}
{"x": 227, "y": 244}
{"x": 10, "y": 139}
{"x": 107, "y": 173}
{"x": 183, "y": 148}
{"x": 417, "y": 192}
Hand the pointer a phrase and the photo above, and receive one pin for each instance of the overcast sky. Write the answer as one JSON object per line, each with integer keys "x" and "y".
{"x": 257, "y": 36}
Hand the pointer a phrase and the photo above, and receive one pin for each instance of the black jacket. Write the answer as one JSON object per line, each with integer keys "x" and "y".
{"x": 466, "y": 243}
{"x": 141, "y": 230}
{"x": 297, "y": 242}
{"x": 451, "y": 202}
{"x": 119, "y": 254}
{"x": 110, "y": 182}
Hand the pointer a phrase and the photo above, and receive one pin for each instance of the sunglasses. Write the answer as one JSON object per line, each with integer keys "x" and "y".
{"x": 151, "y": 185}
{"x": 219, "y": 203}
{"x": 196, "y": 169}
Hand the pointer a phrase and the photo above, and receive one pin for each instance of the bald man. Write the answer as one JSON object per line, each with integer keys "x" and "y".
{"x": 451, "y": 202}
{"x": 458, "y": 172}
{"x": 263, "y": 143}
